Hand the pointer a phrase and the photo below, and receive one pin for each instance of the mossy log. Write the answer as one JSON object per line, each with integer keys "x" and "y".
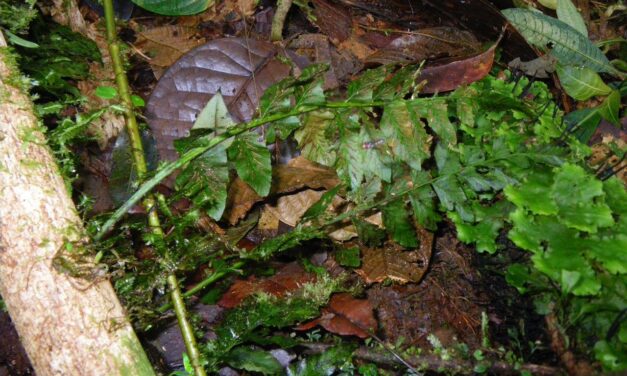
{"x": 68, "y": 325}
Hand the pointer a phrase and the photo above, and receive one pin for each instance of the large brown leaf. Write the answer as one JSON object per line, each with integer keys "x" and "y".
{"x": 450, "y": 76}
{"x": 424, "y": 44}
{"x": 241, "y": 69}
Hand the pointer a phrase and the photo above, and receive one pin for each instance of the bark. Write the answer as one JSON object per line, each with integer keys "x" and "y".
{"x": 68, "y": 325}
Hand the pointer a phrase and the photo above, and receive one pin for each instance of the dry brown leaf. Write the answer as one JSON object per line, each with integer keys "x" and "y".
{"x": 290, "y": 209}
{"x": 299, "y": 173}
{"x": 392, "y": 262}
{"x": 268, "y": 220}
{"x": 345, "y": 316}
{"x": 166, "y": 44}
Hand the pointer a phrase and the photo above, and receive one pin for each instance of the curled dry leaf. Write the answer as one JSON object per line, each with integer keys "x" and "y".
{"x": 241, "y": 69}
{"x": 291, "y": 277}
{"x": 462, "y": 72}
{"x": 346, "y": 316}
{"x": 429, "y": 43}
{"x": 392, "y": 262}
{"x": 299, "y": 173}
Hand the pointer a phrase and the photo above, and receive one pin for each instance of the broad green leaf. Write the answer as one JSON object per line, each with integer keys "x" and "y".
{"x": 351, "y": 158}
{"x": 314, "y": 139}
{"x": 610, "y": 107}
{"x": 518, "y": 275}
{"x": 253, "y": 162}
{"x": 174, "y": 7}
{"x": 324, "y": 364}
{"x": 579, "y": 198}
{"x": 581, "y": 83}
{"x": 568, "y": 46}
{"x": 551, "y": 4}
{"x": 568, "y": 13}
{"x": 254, "y": 361}
{"x": 533, "y": 194}
{"x": 19, "y": 41}
{"x": 106, "y": 92}
{"x": 610, "y": 250}
{"x": 214, "y": 116}
{"x": 407, "y": 139}
{"x": 584, "y": 123}
{"x": 616, "y": 196}
{"x": 398, "y": 223}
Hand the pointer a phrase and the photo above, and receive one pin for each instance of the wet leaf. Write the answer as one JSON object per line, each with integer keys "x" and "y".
{"x": 174, "y": 7}
{"x": 581, "y": 83}
{"x": 392, "y": 262}
{"x": 462, "y": 72}
{"x": 253, "y": 360}
{"x": 568, "y": 46}
{"x": 568, "y": 13}
{"x": 241, "y": 69}
{"x": 427, "y": 44}
{"x": 289, "y": 278}
{"x": 346, "y": 316}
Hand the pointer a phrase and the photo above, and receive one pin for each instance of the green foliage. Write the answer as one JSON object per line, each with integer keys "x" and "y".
{"x": 15, "y": 16}
{"x": 582, "y": 83}
{"x": 568, "y": 45}
{"x": 328, "y": 362}
{"x": 174, "y": 7}
{"x": 264, "y": 311}
{"x": 62, "y": 55}
{"x": 567, "y": 13}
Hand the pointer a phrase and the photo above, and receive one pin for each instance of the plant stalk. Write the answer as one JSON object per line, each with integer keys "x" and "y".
{"x": 165, "y": 170}
{"x": 149, "y": 203}
{"x": 278, "y": 21}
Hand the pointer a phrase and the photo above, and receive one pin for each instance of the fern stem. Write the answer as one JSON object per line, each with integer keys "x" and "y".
{"x": 149, "y": 203}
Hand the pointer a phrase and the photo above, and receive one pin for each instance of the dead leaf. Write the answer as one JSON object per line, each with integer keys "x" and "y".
{"x": 332, "y": 19}
{"x": 299, "y": 173}
{"x": 424, "y": 44}
{"x": 462, "y": 72}
{"x": 392, "y": 262}
{"x": 345, "y": 316}
{"x": 166, "y": 44}
{"x": 289, "y": 278}
{"x": 290, "y": 209}
{"x": 241, "y": 69}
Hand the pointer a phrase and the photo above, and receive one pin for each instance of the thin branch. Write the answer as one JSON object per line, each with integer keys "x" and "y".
{"x": 149, "y": 202}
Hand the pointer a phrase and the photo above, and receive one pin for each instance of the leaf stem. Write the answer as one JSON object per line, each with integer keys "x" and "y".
{"x": 149, "y": 203}
{"x": 278, "y": 21}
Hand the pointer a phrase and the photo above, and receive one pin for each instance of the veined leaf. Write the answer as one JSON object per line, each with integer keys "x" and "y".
{"x": 610, "y": 107}
{"x": 174, "y": 7}
{"x": 581, "y": 83}
{"x": 214, "y": 116}
{"x": 313, "y": 139}
{"x": 253, "y": 162}
{"x": 435, "y": 111}
{"x": 532, "y": 194}
{"x": 568, "y": 46}
{"x": 567, "y": 13}
{"x": 407, "y": 139}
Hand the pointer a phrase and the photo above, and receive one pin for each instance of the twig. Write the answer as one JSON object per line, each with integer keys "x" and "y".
{"x": 278, "y": 21}
{"x": 139, "y": 160}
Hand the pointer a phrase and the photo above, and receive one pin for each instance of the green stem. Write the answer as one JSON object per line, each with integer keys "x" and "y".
{"x": 149, "y": 203}
{"x": 278, "y": 21}
{"x": 204, "y": 283}
{"x": 186, "y": 328}
{"x": 168, "y": 168}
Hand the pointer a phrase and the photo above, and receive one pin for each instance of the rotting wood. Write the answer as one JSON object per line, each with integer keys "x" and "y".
{"x": 67, "y": 326}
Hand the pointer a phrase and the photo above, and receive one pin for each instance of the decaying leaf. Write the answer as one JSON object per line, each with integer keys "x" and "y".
{"x": 241, "y": 69}
{"x": 297, "y": 174}
{"x": 290, "y": 278}
{"x": 452, "y": 75}
{"x": 166, "y": 44}
{"x": 332, "y": 19}
{"x": 423, "y": 44}
{"x": 346, "y": 316}
{"x": 290, "y": 209}
{"x": 392, "y": 262}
